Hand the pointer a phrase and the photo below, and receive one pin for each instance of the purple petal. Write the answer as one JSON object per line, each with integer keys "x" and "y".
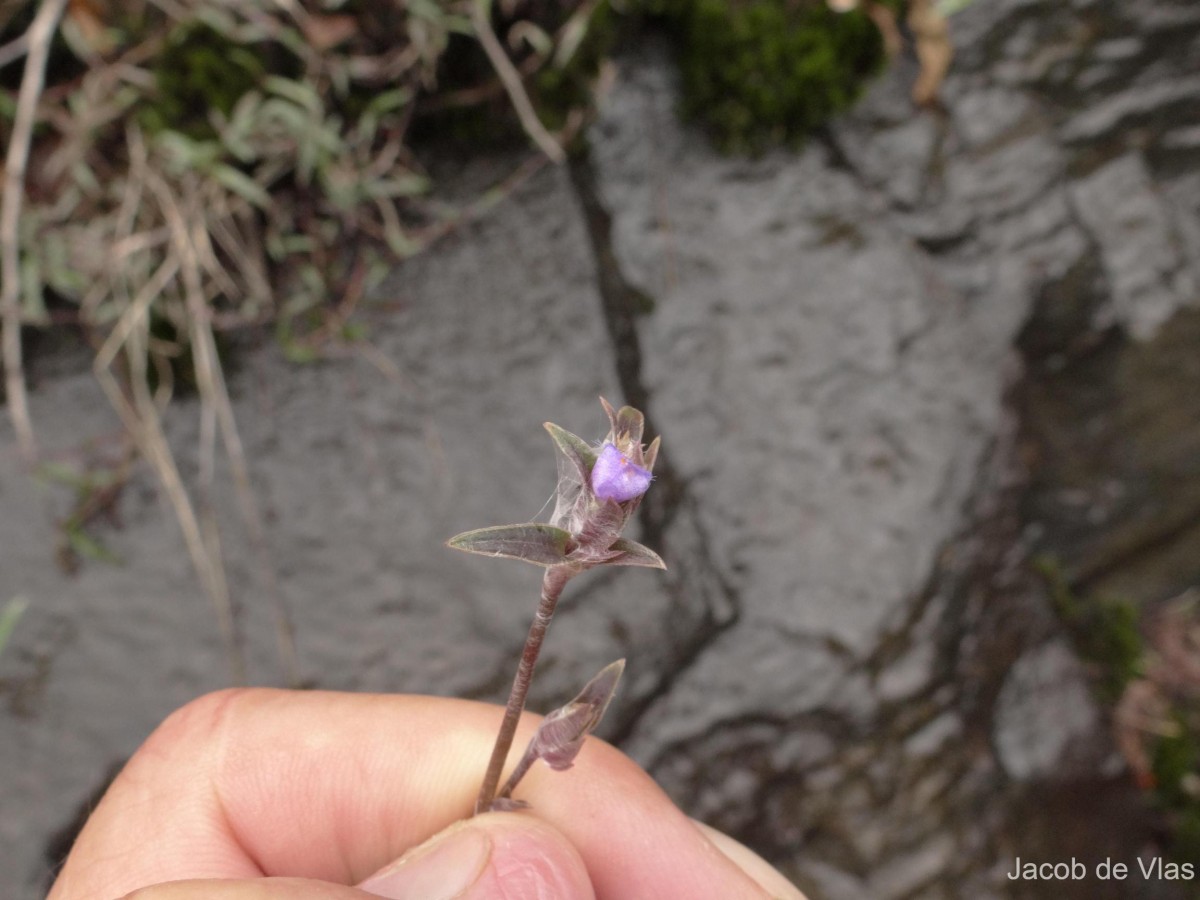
{"x": 616, "y": 477}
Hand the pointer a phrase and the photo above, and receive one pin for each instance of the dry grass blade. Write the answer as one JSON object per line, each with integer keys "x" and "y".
{"x": 139, "y": 409}
{"x": 141, "y": 420}
{"x": 40, "y": 33}
{"x": 218, "y": 396}
{"x": 481, "y": 12}
{"x": 214, "y": 396}
{"x": 199, "y": 226}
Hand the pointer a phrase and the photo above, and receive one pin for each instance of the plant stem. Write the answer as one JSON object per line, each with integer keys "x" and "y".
{"x": 553, "y": 582}
{"x": 39, "y": 37}
{"x": 527, "y": 761}
{"x": 481, "y": 19}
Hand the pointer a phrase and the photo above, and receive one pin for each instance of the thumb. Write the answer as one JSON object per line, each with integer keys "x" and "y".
{"x": 494, "y": 855}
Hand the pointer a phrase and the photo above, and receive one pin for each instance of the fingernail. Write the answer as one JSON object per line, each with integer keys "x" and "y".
{"x": 440, "y": 869}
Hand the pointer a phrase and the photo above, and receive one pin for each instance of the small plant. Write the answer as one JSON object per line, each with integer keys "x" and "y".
{"x": 1157, "y": 721}
{"x": 598, "y": 492}
{"x": 97, "y": 489}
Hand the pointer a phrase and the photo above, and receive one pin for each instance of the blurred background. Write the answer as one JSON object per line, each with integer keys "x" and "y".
{"x": 908, "y": 288}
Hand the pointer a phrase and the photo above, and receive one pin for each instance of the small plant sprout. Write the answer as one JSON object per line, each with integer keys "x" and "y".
{"x": 598, "y": 492}
{"x": 560, "y": 737}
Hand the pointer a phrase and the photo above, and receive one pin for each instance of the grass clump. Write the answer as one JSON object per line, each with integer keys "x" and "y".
{"x": 199, "y": 167}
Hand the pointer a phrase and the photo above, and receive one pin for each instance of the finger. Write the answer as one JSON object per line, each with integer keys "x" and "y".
{"x": 510, "y": 856}
{"x": 245, "y": 783}
{"x": 752, "y": 864}
{"x": 248, "y": 889}
{"x": 497, "y": 855}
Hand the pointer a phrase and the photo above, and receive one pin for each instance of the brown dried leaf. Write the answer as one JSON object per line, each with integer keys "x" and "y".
{"x": 326, "y": 32}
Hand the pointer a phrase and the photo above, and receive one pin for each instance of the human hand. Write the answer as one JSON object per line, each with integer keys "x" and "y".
{"x": 303, "y": 794}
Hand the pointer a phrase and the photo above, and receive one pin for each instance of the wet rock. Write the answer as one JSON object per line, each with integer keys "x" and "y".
{"x": 1046, "y": 719}
{"x": 1002, "y": 159}
{"x": 1148, "y": 275}
{"x": 825, "y": 671}
{"x": 1117, "y": 511}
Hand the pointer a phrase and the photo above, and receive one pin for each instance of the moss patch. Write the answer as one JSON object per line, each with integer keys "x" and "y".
{"x": 1176, "y": 769}
{"x": 199, "y": 70}
{"x": 1104, "y": 629}
{"x": 760, "y": 73}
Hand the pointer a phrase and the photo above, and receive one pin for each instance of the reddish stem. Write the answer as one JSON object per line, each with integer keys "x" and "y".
{"x": 553, "y": 582}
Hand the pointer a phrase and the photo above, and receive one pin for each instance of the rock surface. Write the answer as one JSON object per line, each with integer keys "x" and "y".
{"x": 847, "y": 664}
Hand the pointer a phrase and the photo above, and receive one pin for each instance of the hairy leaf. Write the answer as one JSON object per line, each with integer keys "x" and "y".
{"x": 560, "y": 737}
{"x": 542, "y": 545}
{"x": 651, "y": 456}
{"x": 635, "y": 554}
{"x": 573, "y": 448}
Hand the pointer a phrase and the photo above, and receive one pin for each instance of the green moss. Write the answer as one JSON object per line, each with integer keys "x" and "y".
{"x": 1176, "y": 761}
{"x": 200, "y": 70}
{"x": 1185, "y": 842}
{"x": 1175, "y": 757}
{"x": 1105, "y": 630}
{"x": 759, "y": 73}
{"x": 756, "y": 73}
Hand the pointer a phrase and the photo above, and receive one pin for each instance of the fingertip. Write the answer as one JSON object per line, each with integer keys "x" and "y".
{"x": 764, "y": 874}
{"x": 507, "y": 855}
{"x": 531, "y": 859}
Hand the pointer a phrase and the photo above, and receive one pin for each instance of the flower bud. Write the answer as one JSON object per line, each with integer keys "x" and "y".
{"x": 598, "y": 492}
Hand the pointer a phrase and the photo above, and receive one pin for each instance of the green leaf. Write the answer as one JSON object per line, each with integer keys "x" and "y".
{"x": 90, "y": 548}
{"x": 300, "y": 354}
{"x": 8, "y": 618}
{"x": 33, "y": 300}
{"x": 389, "y": 101}
{"x": 299, "y": 92}
{"x": 56, "y": 472}
{"x": 288, "y": 115}
{"x": 542, "y": 545}
{"x": 242, "y": 185}
{"x": 574, "y": 448}
{"x": 635, "y": 555}
{"x": 401, "y": 186}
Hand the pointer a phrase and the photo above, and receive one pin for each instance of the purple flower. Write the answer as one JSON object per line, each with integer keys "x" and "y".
{"x": 598, "y": 492}
{"x": 616, "y": 477}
